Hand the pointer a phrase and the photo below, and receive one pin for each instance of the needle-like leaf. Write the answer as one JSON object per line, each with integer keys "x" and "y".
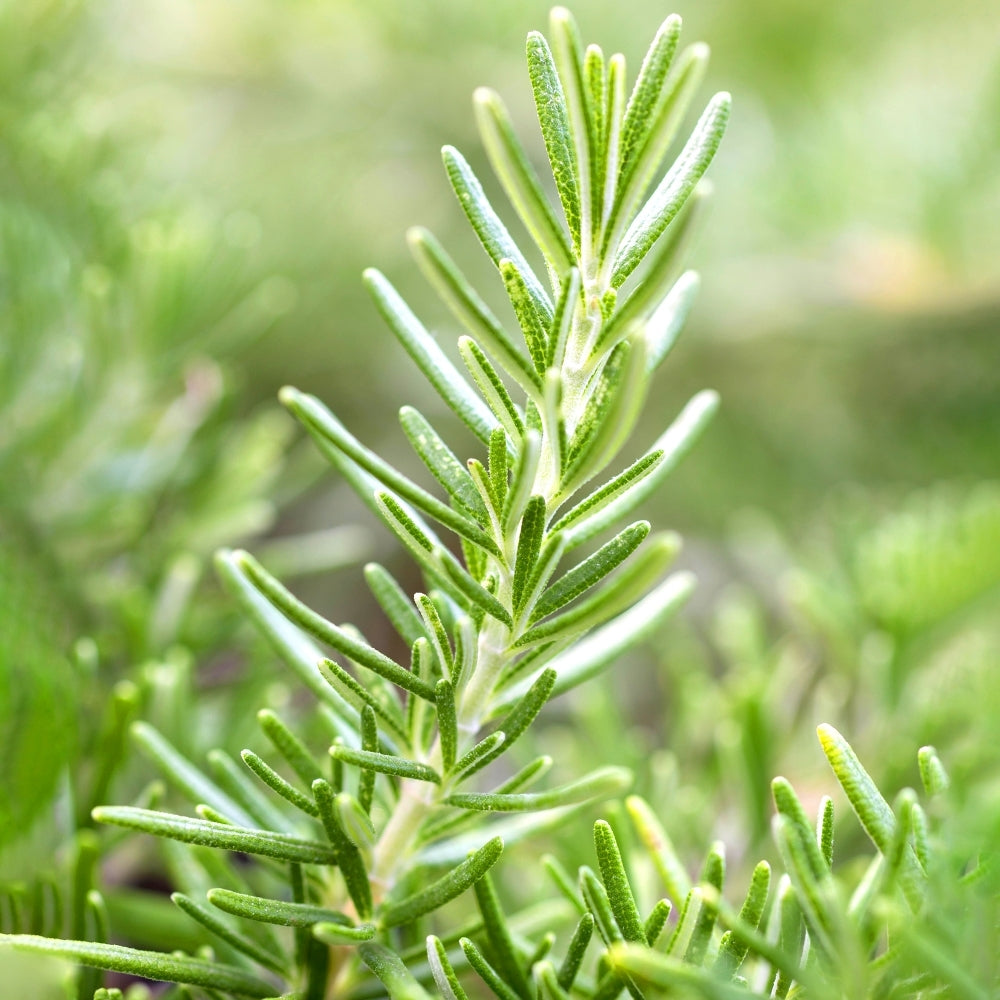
{"x": 266, "y": 843}
{"x": 149, "y": 964}
{"x": 446, "y": 888}
{"x": 329, "y": 633}
{"x": 492, "y": 233}
{"x": 428, "y": 357}
{"x": 274, "y": 911}
{"x": 600, "y": 784}
{"x": 386, "y": 764}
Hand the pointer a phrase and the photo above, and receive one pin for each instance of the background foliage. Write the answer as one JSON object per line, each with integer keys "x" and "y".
{"x": 187, "y": 195}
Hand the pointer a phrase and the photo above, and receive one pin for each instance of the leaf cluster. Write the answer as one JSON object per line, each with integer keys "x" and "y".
{"x": 395, "y": 821}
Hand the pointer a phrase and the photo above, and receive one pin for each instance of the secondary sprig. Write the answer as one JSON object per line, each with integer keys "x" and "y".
{"x": 526, "y": 612}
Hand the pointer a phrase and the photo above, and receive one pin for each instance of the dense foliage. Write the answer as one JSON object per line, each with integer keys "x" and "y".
{"x": 422, "y": 786}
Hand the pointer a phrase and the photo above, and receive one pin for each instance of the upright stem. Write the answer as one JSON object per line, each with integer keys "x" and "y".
{"x": 416, "y": 799}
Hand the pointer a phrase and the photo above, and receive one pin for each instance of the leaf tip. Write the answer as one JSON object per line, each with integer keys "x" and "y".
{"x": 829, "y": 739}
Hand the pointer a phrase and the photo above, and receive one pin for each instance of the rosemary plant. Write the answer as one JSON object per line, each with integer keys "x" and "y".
{"x": 399, "y": 823}
{"x": 917, "y": 919}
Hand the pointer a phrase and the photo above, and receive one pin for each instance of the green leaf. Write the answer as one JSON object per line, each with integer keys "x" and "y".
{"x": 447, "y": 723}
{"x": 325, "y": 427}
{"x": 498, "y": 467}
{"x": 591, "y": 571}
{"x": 669, "y": 974}
{"x": 609, "y": 417}
{"x": 568, "y": 57}
{"x": 660, "y": 847}
{"x": 575, "y": 951}
{"x": 550, "y": 104}
{"x": 642, "y": 102}
{"x": 486, "y": 972}
{"x": 547, "y": 981}
{"x": 297, "y": 651}
{"x": 441, "y": 969}
{"x": 418, "y": 719}
{"x": 466, "y": 650}
{"x": 349, "y": 858}
{"x": 484, "y": 485}
{"x": 184, "y": 775}
{"x": 467, "y": 307}
{"x": 400, "y": 767}
{"x": 441, "y": 461}
{"x": 275, "y": 781}
{"x": 921, "y": 835}
{"x": 487, "y": 225}
{"x": 445, "y": 889}
{"x": 389, "y": 968}
{"x": 686, "y": 923}
{"x": 712, "y": 875}
{"x": 394, "y": 602}
{"x": 657, "y": 921}
{"x": 611, "y": 490}
{"x": 533, "y": 324}
{"x": 788, "y": 805}
{"x": 498, "y": 934}
{"x": 491, "y": 386}
{"x": 477, "y": 594}
{"x": 219, "y": 835}
{"x": 733, "y": 949}
{"x": 274, "y": 911}
{"x": 369, "y": 742}
{"x": 614, "y": 113}
{"x": 233, "y": 938}
{"x": 600, "y": 784}
{"x": 673, "y": 190}
{"x": 429, "y": 357}
{"x": 436, "y": 632}
{"x": 932, "y": 773}
{"x": 629, "y": 584}
{"x": 872, "y": 810}
{"x": 529, "y": 544}
{"x": 562, "y": 322}
{"x": 813, "y": 898}
{"x": 522, "y": 482}
{"x": 824, "y": 829}
{"x": 325, "y": 631}
{"x": 359, "y": 697}
{"x": 553, "y": 424}
{"x": 400, "y": 520}
{"x": 289, "y": 746}
{"x": 599, "y": 904}
{"x": 545, "y": 565}
{"x": 526, "y": 710}
{"x": 661, "y": 128}
{"x": 616, "y": 884}
{"x": 791, "y": 929}
{"x": 663, "y": 327}
{"x": 480, "y": 755}
{"x": 237, "y": 783}
{"x": 596, "y": 91}
{"x": 337, "y": 935}
{"x": 756, "y": 942}
{"x": 149, "y": 964}
{"x": 520, "y": 182}
{"x": 660, "y": 317}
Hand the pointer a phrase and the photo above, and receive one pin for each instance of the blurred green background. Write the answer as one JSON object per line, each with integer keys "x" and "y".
{"x": 188, "y": 192}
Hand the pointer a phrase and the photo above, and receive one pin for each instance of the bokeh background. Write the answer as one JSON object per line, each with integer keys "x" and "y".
{"x": 188, "y": 193}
